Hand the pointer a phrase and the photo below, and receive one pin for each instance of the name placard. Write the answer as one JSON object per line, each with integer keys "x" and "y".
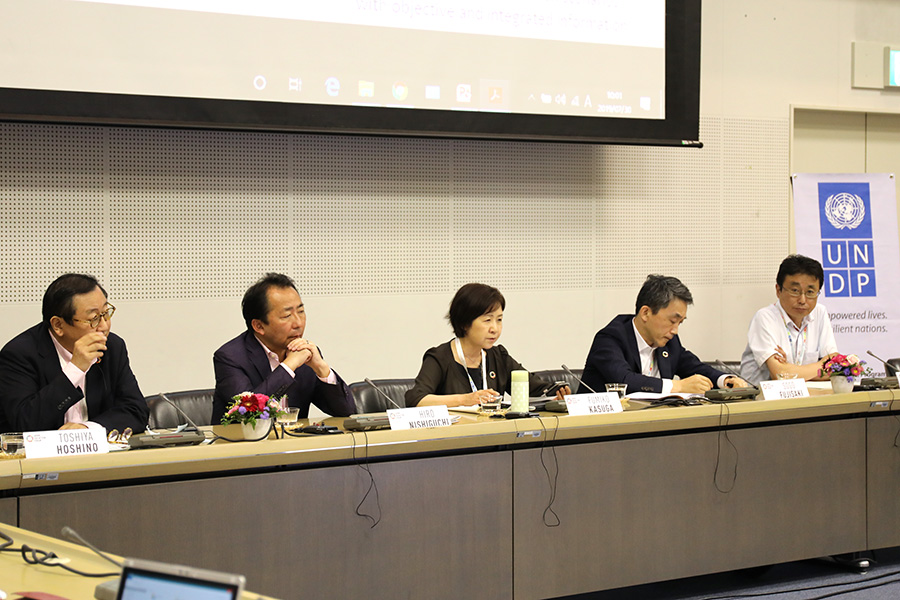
{"x": 783, "y": 389}
{"x": 68, "y": 442}
{"x": 418, "y": 417}
{"x": 601, "y": 403}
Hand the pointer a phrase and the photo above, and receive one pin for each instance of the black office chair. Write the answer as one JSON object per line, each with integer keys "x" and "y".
{"x": 368, "y": 400}
{"x": 198, "y": 404}
{"x": 734, "y": 366}
{"x": 552, "y": 375}
{"x": 892, "y": 367}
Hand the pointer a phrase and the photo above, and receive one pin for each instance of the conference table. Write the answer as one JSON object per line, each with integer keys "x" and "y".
{"x": 487, "y": 508}
{"x": 18, "y": 576}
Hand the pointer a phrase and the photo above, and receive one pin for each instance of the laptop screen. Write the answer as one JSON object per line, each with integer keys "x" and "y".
{"x": 146, "y": 582}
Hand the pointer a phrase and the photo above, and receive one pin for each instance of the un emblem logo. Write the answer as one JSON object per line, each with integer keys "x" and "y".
{"x": 845, "y": 211}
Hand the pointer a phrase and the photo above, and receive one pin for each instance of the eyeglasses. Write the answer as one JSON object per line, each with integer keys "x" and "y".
{"x": 810, "y": 294}
{"x": 114, "y": 437}
{"x": 107, "y": 314}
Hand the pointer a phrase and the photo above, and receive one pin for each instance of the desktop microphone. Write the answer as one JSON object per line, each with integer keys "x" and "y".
{"x": 181, "y": 412}
{"x": 73, "y": 535}
{"x": 889, "y": 381}
{"x": 377, "y": 389}
{"x": 190, "y": 435}
{"x": 578, "y": 379}
{"x": 731, "y": 371}
{"x": 884, "y": 362}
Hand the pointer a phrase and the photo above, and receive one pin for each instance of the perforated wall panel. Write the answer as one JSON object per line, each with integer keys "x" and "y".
{"x": 659, "y": 212}
{"x": 178, "y": 214}
{"x": 755, "y": 191}
{"x": 53, "y": 211}
{"x": 522, "y": 215}
{"x": 196, "y": 213}
{"x": 372, "y": 215}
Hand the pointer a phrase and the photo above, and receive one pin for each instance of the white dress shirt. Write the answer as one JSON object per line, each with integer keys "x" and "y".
{"x": 78, "y": 412}
{"x": 649, "y": 366}
{"x": 771, "y": 326}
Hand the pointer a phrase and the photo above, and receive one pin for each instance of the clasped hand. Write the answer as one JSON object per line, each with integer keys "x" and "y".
{"x": 301, "y": 351}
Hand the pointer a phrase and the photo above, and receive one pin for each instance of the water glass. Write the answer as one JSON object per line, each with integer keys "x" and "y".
{"x": 288, "y": 416}
{"x": 12, "y": 443}
{"x": 490, "y": 404}
{"x": 618, "y": 388}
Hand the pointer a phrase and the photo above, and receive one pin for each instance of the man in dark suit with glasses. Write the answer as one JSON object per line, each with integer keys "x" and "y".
{"x": 70, "y": 371}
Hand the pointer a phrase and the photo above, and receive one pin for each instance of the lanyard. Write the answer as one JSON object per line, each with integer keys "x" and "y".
{"x": 466, "y": 369}
{"x": 798, "y": 351}
{"x": 651, "y": 366}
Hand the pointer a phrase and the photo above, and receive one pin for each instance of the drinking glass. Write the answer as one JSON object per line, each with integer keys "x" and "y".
{"x": 490, "y": 404}
{"x": 12, "y": 443}
{"x": 287, "y": 417}
{"x": 618, "y": 388}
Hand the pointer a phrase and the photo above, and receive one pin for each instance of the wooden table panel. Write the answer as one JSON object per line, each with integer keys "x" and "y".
{"x": 883, "y": 468}
{"x": 442, "y": 520}
{"x": 647, "y": 509}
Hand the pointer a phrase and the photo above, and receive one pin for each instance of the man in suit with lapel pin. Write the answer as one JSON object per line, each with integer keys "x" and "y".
{"x": 273, "y": 358}
{"x": 643, "y": 350}
{"x": 70, "y": 371}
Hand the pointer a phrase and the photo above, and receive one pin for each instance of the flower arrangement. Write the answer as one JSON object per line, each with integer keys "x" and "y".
{"x": 247, "y": 407}
{"x": 848, "y": 366}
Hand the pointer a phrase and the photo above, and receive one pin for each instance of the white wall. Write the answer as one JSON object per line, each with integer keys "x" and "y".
{"x": 379, "y": 232}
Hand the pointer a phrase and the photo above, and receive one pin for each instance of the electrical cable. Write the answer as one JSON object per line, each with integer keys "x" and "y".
{"x": 372, "y": 486}
{"x": 896, "y": 437}
{"x": 552, "y": 480}
{"x": 724, "y": 417}
{"x": 35, "y": 556}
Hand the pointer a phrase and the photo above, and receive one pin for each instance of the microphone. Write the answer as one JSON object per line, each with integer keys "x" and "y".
{"x": 73, "y": 535}
{"x": 577, "y": 378}
{"x": 869, "y": 352}
{"x": 731, "y": 371}
{"x": 181, "y": 412}
{"x": 377, "y": 389}
{"x": 888, "y": 367}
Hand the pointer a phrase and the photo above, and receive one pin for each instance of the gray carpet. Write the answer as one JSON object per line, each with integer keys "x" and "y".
{"x": 803, "y": 580}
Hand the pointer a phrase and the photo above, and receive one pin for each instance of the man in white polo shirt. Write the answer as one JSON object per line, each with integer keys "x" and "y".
{"x": 794, "y": 334}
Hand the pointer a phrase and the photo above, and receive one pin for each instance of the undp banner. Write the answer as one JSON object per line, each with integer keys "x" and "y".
{"x": 849, "y": 223}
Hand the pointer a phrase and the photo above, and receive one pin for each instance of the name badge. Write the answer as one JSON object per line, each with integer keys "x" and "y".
{"x": 69, "y": 442}
{"x": 601, "y": 403}
{"x": 418, "y": 417}
{"x": 782, "y": 389}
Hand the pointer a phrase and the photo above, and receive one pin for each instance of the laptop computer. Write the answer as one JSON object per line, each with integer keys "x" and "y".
{"x": 145, "y": 579}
